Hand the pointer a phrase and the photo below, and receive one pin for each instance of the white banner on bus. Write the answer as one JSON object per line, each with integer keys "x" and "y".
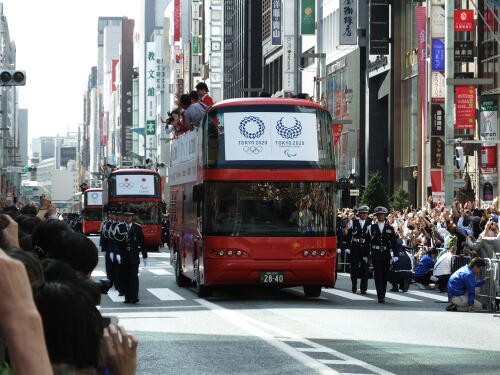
{"x": 94, "y": 198}
{"x": 271, "y": 136}
{"x": 135, "y": 185}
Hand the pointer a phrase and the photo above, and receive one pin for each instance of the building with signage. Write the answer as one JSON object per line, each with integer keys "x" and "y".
{"x": 242, "y": 48}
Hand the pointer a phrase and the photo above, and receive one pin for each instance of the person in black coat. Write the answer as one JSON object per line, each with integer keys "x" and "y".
{"x": 382, "y": 239}
{"x": 360, "y": 251}
{"x": 130, "y": 248}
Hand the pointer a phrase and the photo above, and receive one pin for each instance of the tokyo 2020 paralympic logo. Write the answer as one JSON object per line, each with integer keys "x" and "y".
{"x": 252, "y": 120}
{"x": 289, "y": 132}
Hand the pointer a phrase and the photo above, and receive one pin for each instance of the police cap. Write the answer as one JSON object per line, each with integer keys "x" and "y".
{"x": 381, "y": 210}
{"x": 128, "y": 213}
{"x": 363, "y": 209}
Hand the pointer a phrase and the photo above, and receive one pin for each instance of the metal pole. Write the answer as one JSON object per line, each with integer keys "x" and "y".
{"x": 449, "y": 130}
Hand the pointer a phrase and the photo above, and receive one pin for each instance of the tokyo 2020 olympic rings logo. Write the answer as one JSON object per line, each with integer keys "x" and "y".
{"x": 94, "y": 196}
{"x": 253, "y": 149}
{"x": 126, "y": 185}
{"x": 252, "y": 120}
{"x": 289, "y": 132}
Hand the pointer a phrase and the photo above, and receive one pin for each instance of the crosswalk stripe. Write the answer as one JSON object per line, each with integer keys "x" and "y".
{"x": 98, "y": 274}
{"x": 113, "y": 295}
{"x": 159, "y": 255}
{"x": 348, "y": 295}
{"x": 433, "y": 296}
{"x": 165, "y": 294}
{"x": 396, "y": 297}
{"x": 159, "y": 272}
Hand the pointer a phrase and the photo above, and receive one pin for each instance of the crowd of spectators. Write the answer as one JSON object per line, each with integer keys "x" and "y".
{"x": 432, "y": 235}
{"x": 49, "y": 320}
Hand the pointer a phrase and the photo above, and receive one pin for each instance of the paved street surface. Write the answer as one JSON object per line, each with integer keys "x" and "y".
{"x": 262, "y": 331}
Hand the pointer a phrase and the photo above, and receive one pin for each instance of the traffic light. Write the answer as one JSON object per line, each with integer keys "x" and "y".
{"x": 459, "y": 158}
{"x": 12, "y": 78}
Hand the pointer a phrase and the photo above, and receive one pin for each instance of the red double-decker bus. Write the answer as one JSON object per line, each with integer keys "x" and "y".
{"x": 253, "y": 197}
{"x": 137, "y": 191}
{"x": 91, "y": 211}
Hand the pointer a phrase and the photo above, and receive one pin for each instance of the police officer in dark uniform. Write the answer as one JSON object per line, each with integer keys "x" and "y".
{"x": 382, "y": 239}
{"x": 360, "y": 250}
{"x": 114, "y": 250}
{"x": 129, "y": 250}
{"x": 104, "y": 243}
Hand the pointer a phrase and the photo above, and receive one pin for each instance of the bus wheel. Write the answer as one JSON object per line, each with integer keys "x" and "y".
{"x": 203, "y": 291}
{"x": 181, "y": 280}
{"x": 312, "y": 290}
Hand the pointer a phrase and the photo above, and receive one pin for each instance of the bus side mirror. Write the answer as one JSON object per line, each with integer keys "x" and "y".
{"x": 198, "y": 192}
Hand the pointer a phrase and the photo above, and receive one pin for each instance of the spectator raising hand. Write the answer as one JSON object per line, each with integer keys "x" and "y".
{"x": 121, "y": 350}
{"x": 20, "y": 321}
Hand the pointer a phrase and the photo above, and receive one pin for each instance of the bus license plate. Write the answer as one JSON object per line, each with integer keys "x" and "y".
{"x": 272, "y": 277}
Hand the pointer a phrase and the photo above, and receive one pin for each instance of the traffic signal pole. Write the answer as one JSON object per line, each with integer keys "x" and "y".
{"x": 449, "y": 130}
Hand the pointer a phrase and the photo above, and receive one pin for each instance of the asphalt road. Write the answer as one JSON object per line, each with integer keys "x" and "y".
{"x": 261, "y": 331}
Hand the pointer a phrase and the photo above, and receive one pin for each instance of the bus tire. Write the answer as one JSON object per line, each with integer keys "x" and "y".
{"x": 202, "y": 291}
{"x": 312, "y": 290}
{"x": 181, "y": 280}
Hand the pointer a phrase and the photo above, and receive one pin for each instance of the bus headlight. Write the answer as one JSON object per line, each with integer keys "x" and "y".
{"x": 314, "y": 253}
{"x": 221, "y": 253}
{"x": 230, "y": 252}
{"x": 306, "y": 253}
{"x": 239, "y": 253}
{"x": 322, "y": 253}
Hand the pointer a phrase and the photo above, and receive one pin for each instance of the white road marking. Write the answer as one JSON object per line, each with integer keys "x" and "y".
{"x": 278, "y": 337}
{"x": 160, "y": 272}
{"x": 165, "y": 294}
{"x": 344, "y": 274}
{"x": 158, "y": 255}
{"x": 348, "y": 295}
{"x": 433, "y": 296}
{"x": 98, "y": 274}
{"x": 111, "y": 309}
{"x": 397, "y": 297}
{"x": 113, "y": 295}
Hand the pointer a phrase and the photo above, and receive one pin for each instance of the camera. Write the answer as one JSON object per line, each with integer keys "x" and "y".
{"x": 104, "y": 285}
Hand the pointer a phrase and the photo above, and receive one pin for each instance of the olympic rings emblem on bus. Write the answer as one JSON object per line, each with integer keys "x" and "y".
{"x": 253, "y": 149}
{"x": 126, "y": 185}
{"x": 289, "y": 132}
{"x": 94, "y": 195}
{"x": 249, "y": 120}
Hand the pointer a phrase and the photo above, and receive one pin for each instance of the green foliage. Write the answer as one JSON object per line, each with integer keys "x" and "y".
{"x": 400, "y": 200}
{"x": 374, "y": 193}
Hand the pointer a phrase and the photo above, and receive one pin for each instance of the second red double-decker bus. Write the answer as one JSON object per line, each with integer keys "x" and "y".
{"x": 91, "y": 211}
{"x": 137, "y": 191}
{"x": 253, "y": 197}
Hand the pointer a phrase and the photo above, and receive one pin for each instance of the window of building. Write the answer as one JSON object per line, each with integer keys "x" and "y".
{"x": 266, "y": 20}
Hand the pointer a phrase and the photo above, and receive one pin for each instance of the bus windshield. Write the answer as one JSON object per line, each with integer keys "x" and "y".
{"x": 271, "y": 209}
{"x": 134, "y": 185}
{"x": 269, "y": 136}
{"x": 148, "y": 213}
{"x": 92, "y": 214}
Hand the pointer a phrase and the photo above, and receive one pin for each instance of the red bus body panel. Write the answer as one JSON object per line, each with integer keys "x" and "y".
{"x": 91, "y": 227}
{"x": 152, "y": 234}
{"x": 269, "y": 254}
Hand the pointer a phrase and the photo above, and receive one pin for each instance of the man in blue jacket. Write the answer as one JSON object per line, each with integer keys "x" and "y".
{"x": 425, "y": 267}
{"x": 462, "y": 287}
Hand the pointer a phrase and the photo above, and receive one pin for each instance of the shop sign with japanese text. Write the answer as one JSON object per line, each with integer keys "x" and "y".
{"x": 437, "y": 120}
{"x": 464, "y": 20}
{"x": 438, "y": 54}
{"x": 276, "y": 22}
{"x": 464, "y": 51}
{"x": 465, "y": 107}
{"x": 348, "y": 22}
{"x": 437, "y": 152}
{"x": 488, "y": 114}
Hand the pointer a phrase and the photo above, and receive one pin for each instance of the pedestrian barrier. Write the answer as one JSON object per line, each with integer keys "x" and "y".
{"x": 458, "y": 261}
{"x": 489, "y": 292}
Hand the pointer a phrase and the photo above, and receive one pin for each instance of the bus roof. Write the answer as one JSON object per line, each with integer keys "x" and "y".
{"x": 134, "y": 170}
{"x": 267, "y": 101}
{"x": 94, "y": 189}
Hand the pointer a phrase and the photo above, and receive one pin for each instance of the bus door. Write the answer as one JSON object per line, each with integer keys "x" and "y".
{"x": 190, "y": 234}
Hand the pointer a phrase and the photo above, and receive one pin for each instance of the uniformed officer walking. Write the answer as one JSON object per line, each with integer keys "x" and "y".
{"x": 360, "y": 250}
{"x": 382, "y": 239}
{"x": 119, "y": 235}
{"x": 129, "y": 250}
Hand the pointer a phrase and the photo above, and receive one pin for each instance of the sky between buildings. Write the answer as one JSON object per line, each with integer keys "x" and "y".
{"x": 56, "y": 43}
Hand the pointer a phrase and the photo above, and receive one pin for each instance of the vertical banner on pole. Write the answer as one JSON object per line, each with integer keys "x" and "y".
{"x": 465, "y": 107}
{"x": 348, "y": 22}
{"x": 177, "y": 20}
{"x": 421, "y": 23}
{"x": 308, "y": 17}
